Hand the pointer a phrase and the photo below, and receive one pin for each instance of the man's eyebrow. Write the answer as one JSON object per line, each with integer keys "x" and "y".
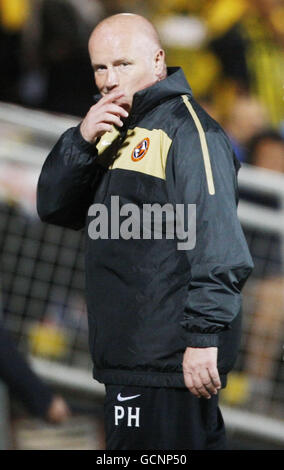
{"x": 123, "y": 59}
{"x": 116, "y": 62}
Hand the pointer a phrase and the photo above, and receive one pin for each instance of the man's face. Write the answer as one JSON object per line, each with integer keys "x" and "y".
{"x": 270, "y": 155}
{"x": 122, "y": 62}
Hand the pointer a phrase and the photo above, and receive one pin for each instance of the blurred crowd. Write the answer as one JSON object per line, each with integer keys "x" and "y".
{"x": 231, "y": 52}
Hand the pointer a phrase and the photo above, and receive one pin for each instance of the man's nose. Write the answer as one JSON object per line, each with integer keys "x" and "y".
{"x": 111, "y": 79}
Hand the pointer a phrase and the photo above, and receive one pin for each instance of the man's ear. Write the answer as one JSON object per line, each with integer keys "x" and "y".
{"x": 160, "y": 65}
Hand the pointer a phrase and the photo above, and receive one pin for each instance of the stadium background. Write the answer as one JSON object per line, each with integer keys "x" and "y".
{"x": 232, "y": 54}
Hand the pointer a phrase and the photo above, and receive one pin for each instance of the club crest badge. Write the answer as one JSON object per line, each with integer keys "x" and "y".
{"x": 140, "y": 150}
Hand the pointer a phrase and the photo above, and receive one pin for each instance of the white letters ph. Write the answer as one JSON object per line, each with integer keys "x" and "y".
{"x": 118, "y": 414}
{"x": 133, "y": 416}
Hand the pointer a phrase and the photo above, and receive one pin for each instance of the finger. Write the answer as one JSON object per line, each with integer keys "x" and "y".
{"x": 103, "y": 127}
{"x": 215, "y": 378}
{"x": 189, "y": 384}
{"x": 197, "y": 382}
{"x": 113, "y": 119}
{"x": 110, "y": 97}
{"x": 115, "y": 109}
{"x": 207, "y": 382}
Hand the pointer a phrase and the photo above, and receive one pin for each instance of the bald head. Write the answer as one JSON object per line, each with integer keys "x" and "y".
{"x": 126, "y": 55}
{"x": 128, "y": 24}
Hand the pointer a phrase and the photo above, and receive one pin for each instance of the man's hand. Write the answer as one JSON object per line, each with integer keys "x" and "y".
{"x": 200, "y": 371}
{"x": 58, "y": 411}
{"x": 102, "y": 116}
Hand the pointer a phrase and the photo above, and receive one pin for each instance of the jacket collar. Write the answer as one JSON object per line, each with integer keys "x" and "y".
{"x": 175, "y": 84}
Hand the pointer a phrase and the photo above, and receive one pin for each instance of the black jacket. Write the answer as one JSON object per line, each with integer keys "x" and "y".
{"x": 147, "y": 300}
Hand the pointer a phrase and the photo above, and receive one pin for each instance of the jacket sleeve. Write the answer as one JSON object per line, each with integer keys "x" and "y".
{"x": 219, "y": 263}
{"x": 65, "y": 186}
{"x": 21, "y": 380}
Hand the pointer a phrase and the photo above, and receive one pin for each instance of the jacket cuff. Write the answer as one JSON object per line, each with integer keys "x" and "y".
{"x": 204, "y": 340}
{"x": 80, "y": 142}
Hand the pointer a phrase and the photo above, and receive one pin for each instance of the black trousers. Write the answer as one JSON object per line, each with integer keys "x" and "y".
{"x": 146, "y": 418}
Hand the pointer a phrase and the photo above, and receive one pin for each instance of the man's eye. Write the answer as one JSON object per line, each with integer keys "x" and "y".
{"x": 99, "y": 69}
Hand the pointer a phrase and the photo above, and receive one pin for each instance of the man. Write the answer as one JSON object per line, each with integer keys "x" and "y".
{"x": 159, "y": 317}
{"x": 22, "y": 382}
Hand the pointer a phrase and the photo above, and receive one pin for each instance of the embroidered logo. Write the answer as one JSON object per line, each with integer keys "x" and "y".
{"x": 120, "y": 398}
{"x": 140, "y": 150}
